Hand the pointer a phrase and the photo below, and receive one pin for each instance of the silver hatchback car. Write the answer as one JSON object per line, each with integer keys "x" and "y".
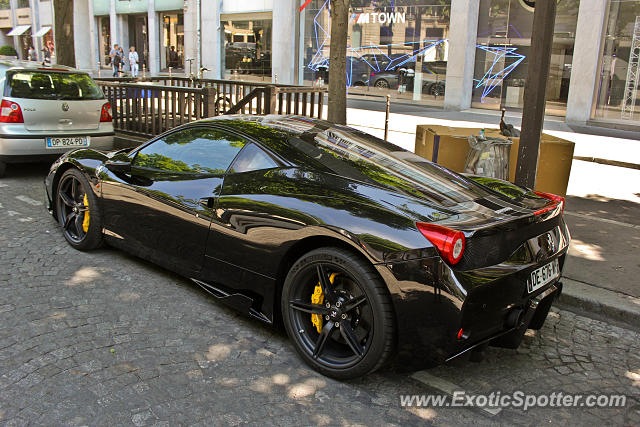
{"x": 46, "y": 111}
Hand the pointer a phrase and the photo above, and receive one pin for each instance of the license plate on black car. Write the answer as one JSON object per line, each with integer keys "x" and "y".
{"x": 543, "y": 275}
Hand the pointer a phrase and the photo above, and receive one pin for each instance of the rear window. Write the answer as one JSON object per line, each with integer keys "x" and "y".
{"x": 356, "y": 155}
{"x": 51, "y": 85}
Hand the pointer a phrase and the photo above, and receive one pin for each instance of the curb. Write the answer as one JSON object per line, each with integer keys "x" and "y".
{"x": 608, "y": 162}
{"x": 600, "y": 304}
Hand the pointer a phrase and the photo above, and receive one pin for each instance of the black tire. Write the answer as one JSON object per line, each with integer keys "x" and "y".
{"x": 3, "y": 168}
{"x": 72, "y": 211}
{"x": 359, "y": 304}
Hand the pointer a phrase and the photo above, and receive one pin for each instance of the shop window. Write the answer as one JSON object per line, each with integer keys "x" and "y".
{"x": 618, "y": 91}
{"x": 247, "y": 49}
{"x": 396, "y": 48}
{"x": 172, "y": 52}
{"x": 503, "y": 46}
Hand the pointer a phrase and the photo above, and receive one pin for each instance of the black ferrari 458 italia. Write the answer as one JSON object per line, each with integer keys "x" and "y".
{"x": 364, "y": 251}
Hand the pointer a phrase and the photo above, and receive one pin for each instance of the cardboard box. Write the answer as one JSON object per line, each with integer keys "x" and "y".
{"x": 449, "y": 147}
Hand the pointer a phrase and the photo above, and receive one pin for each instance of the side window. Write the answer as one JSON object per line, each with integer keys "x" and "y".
{"x": 195, "y": 150}
{"x": 253, "y": 158}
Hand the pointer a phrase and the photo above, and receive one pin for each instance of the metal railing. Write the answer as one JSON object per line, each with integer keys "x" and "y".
{"x": 153, "y": 105}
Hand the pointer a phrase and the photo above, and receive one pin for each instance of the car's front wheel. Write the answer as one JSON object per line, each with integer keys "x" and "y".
{"x": 338, "y": 313}
{"x": 77, "y": 210}
{"x": 382, "y": 84}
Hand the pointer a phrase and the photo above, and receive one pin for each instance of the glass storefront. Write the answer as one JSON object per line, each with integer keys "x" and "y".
{"x": 618, "y": 88}
{"x": 398, "y": 48}
{"x": 172, "y": 39}
{"x": 247, "y": 49}
{"x": 503, "y": 46}
{"x": 138, "y": 38}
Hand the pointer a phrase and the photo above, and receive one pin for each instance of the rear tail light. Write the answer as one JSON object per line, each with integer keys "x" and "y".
{"x": 105, "y": 115}
{"x": 449, "y": 242}
{"x": 10, "y": 112}
{"x": 558, "y": 201}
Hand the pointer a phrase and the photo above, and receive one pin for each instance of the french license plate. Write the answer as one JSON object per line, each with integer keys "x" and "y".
{"x": 543, "y": 275}
{"x": 72, "y": 141}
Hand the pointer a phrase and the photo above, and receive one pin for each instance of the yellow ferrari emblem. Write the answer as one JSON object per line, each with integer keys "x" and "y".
{"x": 85, "y": 223}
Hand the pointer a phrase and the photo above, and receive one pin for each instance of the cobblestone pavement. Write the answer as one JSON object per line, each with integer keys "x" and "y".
{"x": 102, "y": 338}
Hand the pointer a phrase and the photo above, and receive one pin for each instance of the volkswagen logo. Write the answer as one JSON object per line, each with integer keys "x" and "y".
{"x": 65, "y": 106}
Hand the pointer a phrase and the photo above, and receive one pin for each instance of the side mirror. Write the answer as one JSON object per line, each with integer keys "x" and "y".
{"x": 119, "y": 163}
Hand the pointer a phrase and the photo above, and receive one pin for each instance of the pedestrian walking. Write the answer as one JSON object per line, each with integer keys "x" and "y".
{"x": 47, "y": 56}
{"x": 122, "y": 65}
{"x": 32, "y": 55}
{"x": 116, "y": 59}
{"x": 133, "y": 61}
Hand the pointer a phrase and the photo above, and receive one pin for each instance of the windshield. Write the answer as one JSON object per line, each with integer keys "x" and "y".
{"x": 51, "y": 85}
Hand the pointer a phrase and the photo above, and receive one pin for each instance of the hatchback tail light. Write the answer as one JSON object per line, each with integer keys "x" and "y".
{"x": 558, "y": 201}
{"x": 449, "y": 242}
{"x": 105, "y": 115}
{"x": 10, "y": 112}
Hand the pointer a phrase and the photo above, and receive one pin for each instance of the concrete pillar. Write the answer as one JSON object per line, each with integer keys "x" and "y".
{"x": 462, "y": 54}
{"x": 82, "y": 43}
{"x": 122, "y": 21}
{"x": 113, "y": 24}
{"x": 586, "y": 59}
{"x": 284, "y": 46}
{"x": 211, "y": 41}
{"x": 94, "y": 56}
{"x": 36, "y": 42}
{"x": 14, "y": 23}
{"x": 153, "y": 32}
{"x": 190, "y": 34}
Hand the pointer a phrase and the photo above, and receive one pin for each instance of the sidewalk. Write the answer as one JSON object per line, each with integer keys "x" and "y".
{"x": 602, "y": 271}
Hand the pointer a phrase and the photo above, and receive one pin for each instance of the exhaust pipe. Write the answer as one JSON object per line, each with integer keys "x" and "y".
{"x": 514, "y": 318}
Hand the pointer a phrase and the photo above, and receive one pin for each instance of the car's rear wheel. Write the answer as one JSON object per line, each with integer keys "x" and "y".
{"x": 77, "y": 210}
{"x": 338, "y": 313}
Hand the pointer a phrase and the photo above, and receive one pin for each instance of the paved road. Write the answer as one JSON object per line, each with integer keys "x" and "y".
{"x": 102, "y": 338}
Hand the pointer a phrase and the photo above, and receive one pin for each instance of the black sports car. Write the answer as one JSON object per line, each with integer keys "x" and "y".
{"x": 363, "y": 250}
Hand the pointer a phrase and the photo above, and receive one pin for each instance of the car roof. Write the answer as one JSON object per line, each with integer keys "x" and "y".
{"x": 18, "y": 64}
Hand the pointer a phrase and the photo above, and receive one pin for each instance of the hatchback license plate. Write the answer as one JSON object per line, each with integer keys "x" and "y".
{"x": 73, "y": 141}
{"x": 543, "y": 275}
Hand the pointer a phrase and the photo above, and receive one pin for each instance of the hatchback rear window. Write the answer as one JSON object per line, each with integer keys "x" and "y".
{"x": 51, "y": 85}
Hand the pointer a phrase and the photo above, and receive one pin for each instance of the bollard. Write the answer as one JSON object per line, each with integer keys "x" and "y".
{"x": 99, "y": 68}
{"x": 144, "y": 71}
{"x": 276, "y": 79}
{"x": 170, "y": 71}
{"x": 386, "y": 118}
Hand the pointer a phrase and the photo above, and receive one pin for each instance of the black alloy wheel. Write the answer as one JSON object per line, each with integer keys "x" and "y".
{"x": 77, "y": 210}
{"x": 353, "y": 333}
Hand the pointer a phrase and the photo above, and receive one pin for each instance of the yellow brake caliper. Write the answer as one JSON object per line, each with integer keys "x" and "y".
{"x": 85, "y": 223}
{"x": 318, "y": 298}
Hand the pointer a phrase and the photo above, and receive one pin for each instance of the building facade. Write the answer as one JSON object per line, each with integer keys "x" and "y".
{"x": 453, "y": 54}
{"x": 25, "y": 24}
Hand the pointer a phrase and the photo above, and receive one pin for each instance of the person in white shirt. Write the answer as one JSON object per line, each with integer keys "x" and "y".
{"x": 133, "y": 61}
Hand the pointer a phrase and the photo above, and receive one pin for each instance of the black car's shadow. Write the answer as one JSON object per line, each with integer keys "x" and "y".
{"x": 27, "y": 170}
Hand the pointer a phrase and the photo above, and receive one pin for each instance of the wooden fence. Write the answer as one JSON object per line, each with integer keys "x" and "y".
{"x": 150, "y": 107}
